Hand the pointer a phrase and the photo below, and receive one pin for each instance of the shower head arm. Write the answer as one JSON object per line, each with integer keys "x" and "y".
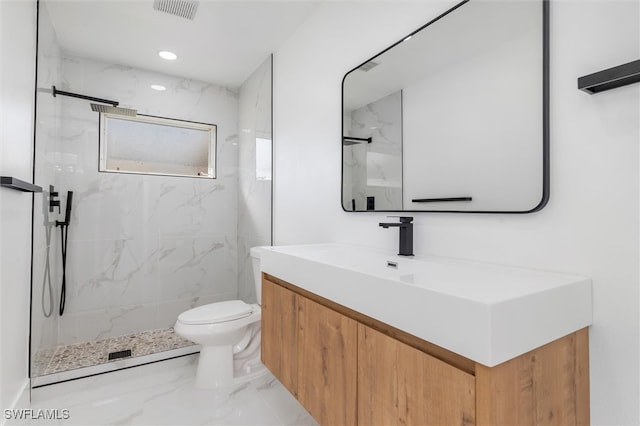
{"x": 88, "y": 98}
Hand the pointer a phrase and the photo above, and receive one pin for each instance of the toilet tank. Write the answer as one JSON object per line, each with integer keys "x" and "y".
{"x": 255, "y": 253}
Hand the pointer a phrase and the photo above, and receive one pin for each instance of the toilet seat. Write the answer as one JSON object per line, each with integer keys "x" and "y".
{"x": 214, "y": 313}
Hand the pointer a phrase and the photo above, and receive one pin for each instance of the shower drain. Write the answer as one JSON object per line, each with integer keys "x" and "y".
{"x": 119, "y": 354}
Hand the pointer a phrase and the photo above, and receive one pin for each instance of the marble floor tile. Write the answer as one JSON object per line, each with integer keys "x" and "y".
{"x": 169, "y": 397}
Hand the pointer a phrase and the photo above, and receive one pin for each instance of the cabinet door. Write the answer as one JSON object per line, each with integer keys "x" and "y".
{"x": 327, "y": 355}
{"x": 398, "y": 384}
{"x": 546, "y": 386}
{"x": 279, "y": 326}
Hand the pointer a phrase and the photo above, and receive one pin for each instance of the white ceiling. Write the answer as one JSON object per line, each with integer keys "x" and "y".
{"x": 224, "y": 44}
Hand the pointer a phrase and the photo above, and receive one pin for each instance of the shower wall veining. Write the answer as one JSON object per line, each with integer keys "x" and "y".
{"x": 142, "y": 249}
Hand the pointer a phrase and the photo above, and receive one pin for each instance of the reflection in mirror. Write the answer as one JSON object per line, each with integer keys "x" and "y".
{"x": 452, "y": 118}
{"x": 373, "y": 155}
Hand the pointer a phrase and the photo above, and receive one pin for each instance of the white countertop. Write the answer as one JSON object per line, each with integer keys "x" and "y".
{"x": 485, "y": 312}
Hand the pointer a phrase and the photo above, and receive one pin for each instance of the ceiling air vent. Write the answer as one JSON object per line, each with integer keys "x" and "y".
{"x": 182, "y": 8}
{"x": 368, "y": 66}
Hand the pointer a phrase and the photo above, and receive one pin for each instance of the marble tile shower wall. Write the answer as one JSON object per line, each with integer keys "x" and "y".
{"x": 44, "y": 331}
{"x": 254, "y": 202}
{"x": 141, "y": 248}
{"x": 375, "y": 169}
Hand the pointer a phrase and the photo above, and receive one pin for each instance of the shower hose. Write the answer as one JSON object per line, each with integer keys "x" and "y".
{"x": 46, "y": 283}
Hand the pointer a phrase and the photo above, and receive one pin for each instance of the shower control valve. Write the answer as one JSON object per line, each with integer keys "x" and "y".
{"x": 53, "y": 202}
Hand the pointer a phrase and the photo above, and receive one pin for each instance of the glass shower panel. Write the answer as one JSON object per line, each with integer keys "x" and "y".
{"x": 141, "y": 248}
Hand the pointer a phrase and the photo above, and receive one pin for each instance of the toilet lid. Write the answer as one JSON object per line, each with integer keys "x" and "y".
{"x": 216, "y": 312}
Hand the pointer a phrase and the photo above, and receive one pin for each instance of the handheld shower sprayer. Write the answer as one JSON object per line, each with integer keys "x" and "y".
{"x": 64, "y": 231}
{"x": 67, "y": 213}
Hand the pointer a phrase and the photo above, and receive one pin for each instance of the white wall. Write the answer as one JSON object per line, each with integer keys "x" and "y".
{"x": 17, "y": 75}
{"x": 589, "y": 227}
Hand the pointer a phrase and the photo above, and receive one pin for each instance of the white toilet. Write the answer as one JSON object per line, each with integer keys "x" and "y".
{"x": 229, "y": 335}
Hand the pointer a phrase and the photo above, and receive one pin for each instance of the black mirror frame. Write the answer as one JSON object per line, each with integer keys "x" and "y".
{"x": 545, "y": 122}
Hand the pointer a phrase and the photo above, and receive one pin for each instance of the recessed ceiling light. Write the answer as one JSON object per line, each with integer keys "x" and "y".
{"x": 158, "y": 87}
{"x": 169, "y": 56}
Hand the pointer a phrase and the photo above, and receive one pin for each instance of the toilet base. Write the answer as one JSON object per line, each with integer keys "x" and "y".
{"x": 223, "y": 364}
{"x": 215, "y": 366}
{"x": 220, "y": 366}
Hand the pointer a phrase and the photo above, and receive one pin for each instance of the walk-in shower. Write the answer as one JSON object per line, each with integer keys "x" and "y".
{"x": 137, "y": 247}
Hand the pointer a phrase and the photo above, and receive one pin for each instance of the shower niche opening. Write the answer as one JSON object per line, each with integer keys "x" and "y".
{"x": 139, "y": 248}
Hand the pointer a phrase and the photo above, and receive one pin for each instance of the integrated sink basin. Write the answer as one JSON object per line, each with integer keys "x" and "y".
{"x": 485, "y": 312}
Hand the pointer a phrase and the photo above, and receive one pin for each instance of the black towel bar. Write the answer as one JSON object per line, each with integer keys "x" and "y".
{"x": 18, "y": 185}
{"x": 437, "y": 200}
{"x": 610, "y": 78}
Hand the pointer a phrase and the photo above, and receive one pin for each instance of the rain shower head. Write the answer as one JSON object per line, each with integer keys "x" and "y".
{"x": 114, "y": 110}
{"x": 348, "y": 140}
{"x": 104, "y": 105}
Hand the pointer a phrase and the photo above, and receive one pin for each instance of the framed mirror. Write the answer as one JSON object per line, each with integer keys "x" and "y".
{"x": 454, "y": 117}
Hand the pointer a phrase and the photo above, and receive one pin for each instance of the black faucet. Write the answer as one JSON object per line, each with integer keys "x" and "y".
{"x": 406, "y": 234}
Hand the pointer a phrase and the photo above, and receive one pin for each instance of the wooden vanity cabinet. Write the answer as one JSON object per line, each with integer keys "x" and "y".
{"x": 311, "y": 349}
{"x": 348, "y": 369}
{"x": 398, "y": 384}
{"x": 327, "y": 363}
{"x": 279, "y": 327}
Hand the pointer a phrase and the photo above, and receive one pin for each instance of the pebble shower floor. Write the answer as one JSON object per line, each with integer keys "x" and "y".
{"x": 95, "y": 352}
